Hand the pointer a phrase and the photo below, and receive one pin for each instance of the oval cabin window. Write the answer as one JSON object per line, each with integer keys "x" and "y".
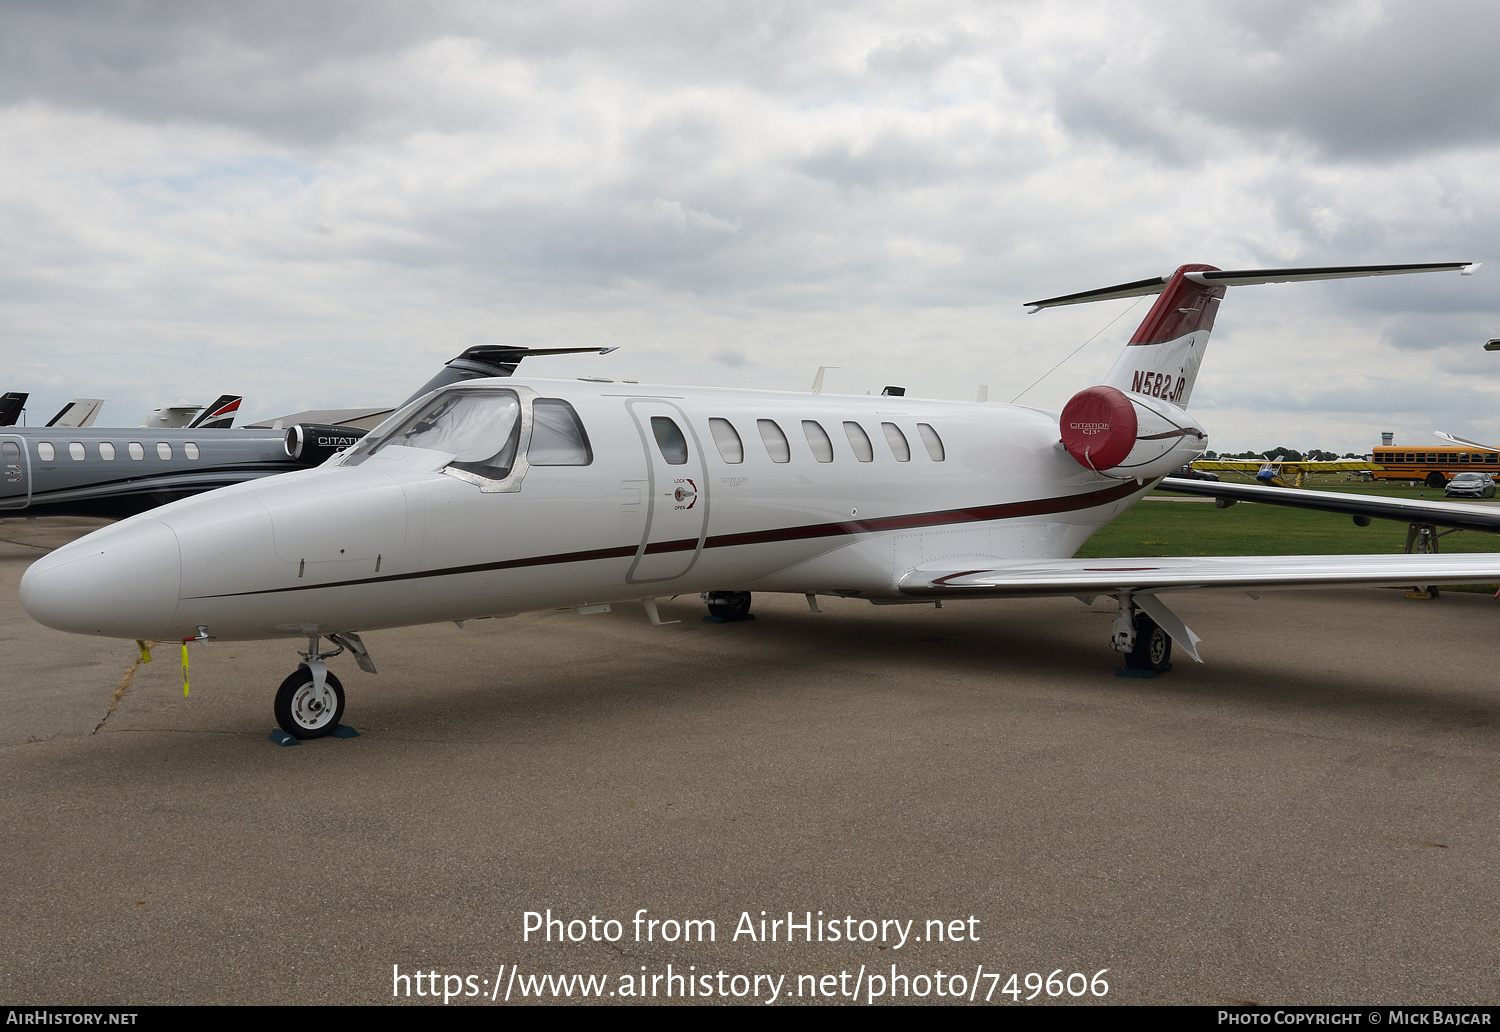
{"x": 76, "y": 452}
{"x": 775, "y": 441}
{"x": 190, "y": 450}
{"x": 897, "y": 440}
{"x": 163, "y": 450}
{"x": 106, "y": 451}
{"x": 45, "y": 451}
{"x": 136, "y": 451}
{"x": 859, "y": 441}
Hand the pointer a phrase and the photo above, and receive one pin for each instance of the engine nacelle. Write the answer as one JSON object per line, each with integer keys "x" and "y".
{"x": 315, "y": 443}
{"x": 1128, "y": 435}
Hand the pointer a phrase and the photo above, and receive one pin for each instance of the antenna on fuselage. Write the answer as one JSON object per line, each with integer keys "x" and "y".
{"x": 817, "y": 387}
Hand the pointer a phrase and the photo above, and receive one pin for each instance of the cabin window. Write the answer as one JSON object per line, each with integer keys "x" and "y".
{"x": 557, "y": 435}
{"x": 933, "y": 442}
{"x": 190, "y": 450}
{"x": 731, "y": 448}
{"x": 776, "y": 442}
{"x": 45, "y": 451}
{"x": 479, "y": 428}
{"x": 163, "y": 450}
{"x": 859, "y": 441}
{"x": 897, "y": 440}
{"x": 106, "y": 451}
{"x": 817, "y": 440}
{"x": 136, "y": 451}
{"x": 669, "y": 440}
{"x": 10, "y": 451}
{"x": 76, "y": 452}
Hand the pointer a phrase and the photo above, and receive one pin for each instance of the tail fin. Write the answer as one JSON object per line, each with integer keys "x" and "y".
{"x": 78, "y": 412}
{"x": 1163, "y": 357}
{"x": 11, "y": 405}
{"x": 219, "y": 415}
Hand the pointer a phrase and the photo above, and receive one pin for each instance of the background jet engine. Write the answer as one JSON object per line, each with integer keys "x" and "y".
{"x": 1127, "y": 435}
{"x": 314, "y": 443}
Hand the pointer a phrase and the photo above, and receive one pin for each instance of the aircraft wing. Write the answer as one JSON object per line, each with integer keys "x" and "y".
{"x": 1231, "y": 465}
{"x": 1440, "y": 514}
{"x": 1307, "y": 465}
{"x": 1150, "y": 576}
{"x": 1138, "y": 582}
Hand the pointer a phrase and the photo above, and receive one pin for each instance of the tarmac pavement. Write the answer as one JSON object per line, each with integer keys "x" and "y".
{"x": 1309, "y": 817}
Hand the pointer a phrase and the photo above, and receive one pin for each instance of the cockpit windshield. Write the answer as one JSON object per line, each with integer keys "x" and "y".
{"x": 479, "y": 428}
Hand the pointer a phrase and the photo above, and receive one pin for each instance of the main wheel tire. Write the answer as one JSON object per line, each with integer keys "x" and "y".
{"x": 729, "y": 605}
{"x": 1153, "y": 646}
{"x": 1436, "y": 479}
{"x": 300, "y": 713}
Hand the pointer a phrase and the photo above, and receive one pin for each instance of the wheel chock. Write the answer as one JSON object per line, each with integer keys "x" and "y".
{"x": 280, "y": 737}
{"x": 1132, "y": 672}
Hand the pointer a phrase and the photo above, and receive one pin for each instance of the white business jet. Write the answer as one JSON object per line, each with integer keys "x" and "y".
{"x": 500, "y": 496}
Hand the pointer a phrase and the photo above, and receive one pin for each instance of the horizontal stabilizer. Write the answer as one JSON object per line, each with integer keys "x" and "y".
{"x": 1247, "y": 277}
{"x": 1111, "y": 576}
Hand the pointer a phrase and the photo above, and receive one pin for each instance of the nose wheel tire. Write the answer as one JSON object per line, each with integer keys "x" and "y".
{"x": 304, "y": 713}
{"x": 1153, "y": 646}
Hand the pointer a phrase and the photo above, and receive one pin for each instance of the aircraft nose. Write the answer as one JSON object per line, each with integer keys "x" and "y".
{"x": 119, "y": 582}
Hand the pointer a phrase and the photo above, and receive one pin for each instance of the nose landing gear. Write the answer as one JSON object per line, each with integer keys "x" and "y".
{"x": 306, "y": 709}
{"x": 310, "y": 703}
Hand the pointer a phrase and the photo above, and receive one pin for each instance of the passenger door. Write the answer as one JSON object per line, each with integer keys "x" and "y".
{"x": 15, "y": 473}
{"x": 677, "y": 517}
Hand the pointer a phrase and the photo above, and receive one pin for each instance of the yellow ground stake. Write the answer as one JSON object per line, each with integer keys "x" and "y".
{"x": 145, "y": 650}
{"x": 184, "y": 670}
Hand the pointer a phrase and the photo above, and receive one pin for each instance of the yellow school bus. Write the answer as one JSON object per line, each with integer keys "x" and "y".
{"x": 1434, "y": 465}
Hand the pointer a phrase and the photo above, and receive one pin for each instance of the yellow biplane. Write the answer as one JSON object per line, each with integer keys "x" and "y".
{"x": 1284, "y": 472}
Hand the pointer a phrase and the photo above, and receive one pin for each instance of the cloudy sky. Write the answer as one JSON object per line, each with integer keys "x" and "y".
{"x": 316, "y": 204}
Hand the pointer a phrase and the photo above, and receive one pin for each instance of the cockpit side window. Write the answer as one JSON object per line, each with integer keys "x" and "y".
{"x": 557, "y": 435}
{"x": 479, "y": 428}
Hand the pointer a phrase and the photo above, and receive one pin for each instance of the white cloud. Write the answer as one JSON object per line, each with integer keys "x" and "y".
{"x": 316, "y": 204}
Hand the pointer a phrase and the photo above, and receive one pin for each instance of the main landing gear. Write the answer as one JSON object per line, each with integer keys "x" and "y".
{"x": 310, "y": 703}
{"x": 726, "y": 606}
{"x": 1144, "y": 643}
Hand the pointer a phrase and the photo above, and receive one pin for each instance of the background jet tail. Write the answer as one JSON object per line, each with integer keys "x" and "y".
{"x": 78, "y": 412}
{"x": 11, "y": 405}
{"x": 219, "y": 415}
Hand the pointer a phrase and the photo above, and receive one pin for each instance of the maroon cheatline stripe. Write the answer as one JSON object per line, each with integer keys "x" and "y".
{"x": 1179, "y": 432}
{"x": 976, "y": 514}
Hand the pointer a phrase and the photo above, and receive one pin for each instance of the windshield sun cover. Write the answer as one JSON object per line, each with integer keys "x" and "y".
{"x": 479, "y": 428}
